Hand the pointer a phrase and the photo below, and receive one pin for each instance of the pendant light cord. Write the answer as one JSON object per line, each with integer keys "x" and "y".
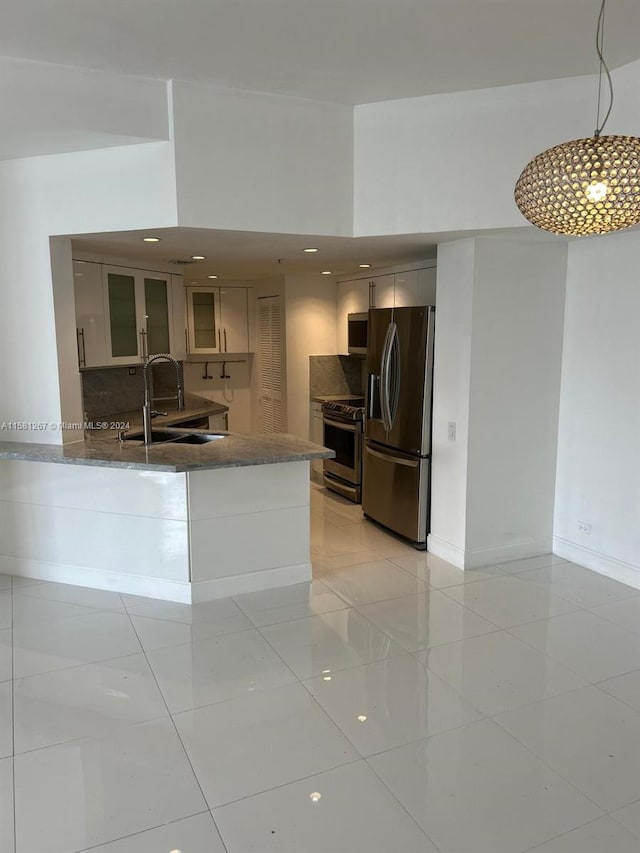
{"x": 603, "y": 64}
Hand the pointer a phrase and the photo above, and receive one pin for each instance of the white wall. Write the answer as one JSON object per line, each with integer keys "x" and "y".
{"x": 258, "y": 162}
{"x": 311, "y": 305}
{"x": 50, "y": 109}
{"x": 234, "y": 392}
{"x": 452, "y": 377}
{"x": 516, "y": 356}
{"x": 116, "y": 188}
{"x": 599, "y": 442}
{"x": 498, "y": 358}
{"x": 450, "y": 162}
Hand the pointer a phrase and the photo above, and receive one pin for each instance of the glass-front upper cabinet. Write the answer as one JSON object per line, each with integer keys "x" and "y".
{"x": 204, "y": 330}
{"x": 137, "y": 310}
{"x": 217, "y": 319}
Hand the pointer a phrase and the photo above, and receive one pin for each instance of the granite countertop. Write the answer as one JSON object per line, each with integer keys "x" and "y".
{"x": 321, "y": 398}
{"x": 232, "y": 451}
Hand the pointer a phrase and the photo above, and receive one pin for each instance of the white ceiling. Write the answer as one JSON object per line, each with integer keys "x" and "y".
{"x": 251, "y": 255}
{"x": 347, "y": 51}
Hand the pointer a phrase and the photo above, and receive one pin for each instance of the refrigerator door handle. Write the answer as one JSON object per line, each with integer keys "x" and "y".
{"x": 395, "y": 460}
{"x": 393, "y": 379}
{"x": 384, "y": 378}
{"x": 372, "y": 394}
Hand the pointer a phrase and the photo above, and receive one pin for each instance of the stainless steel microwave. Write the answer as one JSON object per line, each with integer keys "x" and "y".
{"x": 357, "y": 330}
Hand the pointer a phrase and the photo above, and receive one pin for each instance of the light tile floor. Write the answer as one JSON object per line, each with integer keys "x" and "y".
{"x": 394, "y": 705}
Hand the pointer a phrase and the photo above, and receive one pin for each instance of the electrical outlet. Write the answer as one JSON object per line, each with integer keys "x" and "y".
{"x": 584, "y": 527}
{"x": 451, "y": 430}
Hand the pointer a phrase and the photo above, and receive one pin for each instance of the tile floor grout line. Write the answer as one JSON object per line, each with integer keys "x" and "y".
{"x": 96, "y": 737}
{"x": 546, "y": 763}
{"x": 175, "y": 728}
{"x": 534, "y": 756}
{"x": 562, "y": 834}
{"x": 401, "y": 804}
{"x": 557, "y": 660}
{"x": 142, "y": 831}
{"x": 76, "y": 666}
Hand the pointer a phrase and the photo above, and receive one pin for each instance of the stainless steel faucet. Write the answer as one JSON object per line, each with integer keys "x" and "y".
{"x": 147, "y": 411}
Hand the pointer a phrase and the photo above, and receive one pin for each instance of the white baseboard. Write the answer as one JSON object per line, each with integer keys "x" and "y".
{"x": 619, "y": 570}
{"x": 250, "y": 582}
{"x": 96, "y": 578}
{"x": 476, "y": 558}
{"x": 445, "y": 550}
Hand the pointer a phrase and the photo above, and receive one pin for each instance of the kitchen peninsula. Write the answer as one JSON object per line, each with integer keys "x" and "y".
{"x": 183, "y": 522}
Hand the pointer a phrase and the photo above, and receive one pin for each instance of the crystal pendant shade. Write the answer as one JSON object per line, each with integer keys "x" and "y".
{"x": 586, "y": 186}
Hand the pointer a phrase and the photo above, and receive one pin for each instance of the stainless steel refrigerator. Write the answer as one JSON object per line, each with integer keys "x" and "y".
{"x": 397, "y": 447}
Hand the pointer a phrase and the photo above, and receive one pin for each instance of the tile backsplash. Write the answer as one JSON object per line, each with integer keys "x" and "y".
{"x": 336, "y": 374}
{"x": 108, "y": 391}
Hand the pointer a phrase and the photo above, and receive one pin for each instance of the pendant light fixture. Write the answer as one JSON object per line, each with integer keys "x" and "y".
{"x": 586, "y": 186}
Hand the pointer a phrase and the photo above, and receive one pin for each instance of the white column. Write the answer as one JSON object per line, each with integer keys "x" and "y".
{"x": 498, "y": 362}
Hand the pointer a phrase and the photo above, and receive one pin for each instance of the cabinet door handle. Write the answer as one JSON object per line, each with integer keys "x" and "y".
{"x": 219, "y": 342}
{"x": 82, "y": 354}
{"x": 143, "y": 344}
{"x": 225, "y": 341}
{"x": 186, "y": 340}
{"x": 372, "y": 294}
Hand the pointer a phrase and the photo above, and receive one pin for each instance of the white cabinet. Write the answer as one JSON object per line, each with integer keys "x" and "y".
{"x": 234, "y": 316}
{"x": 138, "y": 311}
{"x": 316, "y": 435}
{"x": 219, "y": 423}
{"x": 217, "y": 320}
{"x": 126, "y": 315}
{"x": 399, "y": 290}
{"x": 406, "y": 289}
{"x": 427, "y": 285}
{"x": 90, "y": 325}
{"x": 382, "y": 291}
{"x": 179, "y": 310}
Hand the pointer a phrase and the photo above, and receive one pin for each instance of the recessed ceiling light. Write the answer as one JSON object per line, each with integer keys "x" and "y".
{"x": 362, "y": 718}
{"x": 315, "y": 796}
{"x": 326, "y": 272}
{"x": 212, "y": 276}
{"x": 311, "y": 249}
{"x": 197, "y": 257}
{"x": 326, "y": 678}
{"x": 364, "y": 266}
{"x": 151, "y": 239}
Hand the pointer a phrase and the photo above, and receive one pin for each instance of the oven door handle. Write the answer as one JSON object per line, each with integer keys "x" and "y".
{"x": 340, "y": 425}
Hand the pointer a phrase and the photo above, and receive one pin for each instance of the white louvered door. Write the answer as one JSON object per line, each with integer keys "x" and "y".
{"x": 271, "y": 364}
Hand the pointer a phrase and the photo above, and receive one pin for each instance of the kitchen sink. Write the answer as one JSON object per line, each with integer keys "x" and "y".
{"x": 162, "y": 436}
{"x": 198, "y": 438}
{"x": 157, "y": 436}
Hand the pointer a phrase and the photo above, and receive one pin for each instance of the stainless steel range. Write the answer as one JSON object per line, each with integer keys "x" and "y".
{"x": 343, "y": 422}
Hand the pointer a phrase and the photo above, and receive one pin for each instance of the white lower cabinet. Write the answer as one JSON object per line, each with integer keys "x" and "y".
{"x": 316, "y": 435}
{"x": 219, "y": 423}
